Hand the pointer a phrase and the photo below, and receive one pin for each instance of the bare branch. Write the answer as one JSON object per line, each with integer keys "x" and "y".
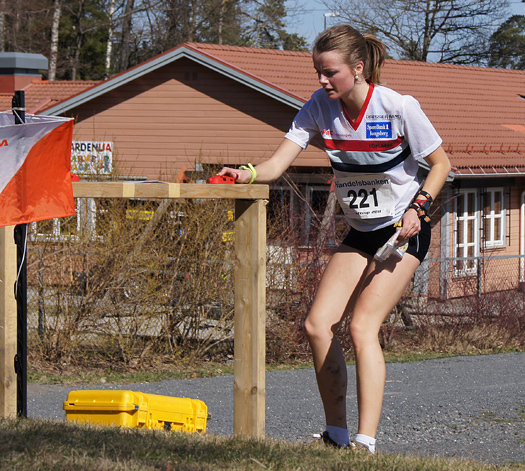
{"x": 437, "y": 30}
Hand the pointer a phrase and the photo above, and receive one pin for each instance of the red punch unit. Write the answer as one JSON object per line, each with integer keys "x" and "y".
{"x": 221, "y": 179}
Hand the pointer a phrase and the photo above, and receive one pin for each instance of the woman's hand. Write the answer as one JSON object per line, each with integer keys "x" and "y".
{"x": 269, "y": 170}
{"x": 241, "y": 176}
{"x": 411, "y": 225}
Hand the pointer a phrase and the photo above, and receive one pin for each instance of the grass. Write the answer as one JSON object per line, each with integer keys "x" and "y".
{"x": 78, "y": 375}
{"x": 107, "y": 375}
{"x": 71, "y": 374}
{"x": 49, "y": 445}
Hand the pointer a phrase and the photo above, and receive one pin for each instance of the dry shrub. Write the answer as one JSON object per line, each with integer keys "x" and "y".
{"x": 478, "y": 338}
{"x": 286, "y": 308}
{"x": 486, "y": 322}
{"x": 147, "y": 279}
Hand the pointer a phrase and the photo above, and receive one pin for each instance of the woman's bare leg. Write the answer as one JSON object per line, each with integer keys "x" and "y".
{"x": 382, "y": 287}
{"x": 332, "y": 302}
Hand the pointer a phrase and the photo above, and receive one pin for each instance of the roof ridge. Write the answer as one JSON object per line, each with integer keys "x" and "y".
{"x": 245, "y": 49}
{"x": 452, "y": 66}
{"x": 64, "y": 82}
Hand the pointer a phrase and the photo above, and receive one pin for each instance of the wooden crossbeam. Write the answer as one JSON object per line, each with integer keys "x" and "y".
{"x": 168, "y": 190}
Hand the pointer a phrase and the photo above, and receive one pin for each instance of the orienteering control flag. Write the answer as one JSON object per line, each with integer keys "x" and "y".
{"x": 35, "y": 169}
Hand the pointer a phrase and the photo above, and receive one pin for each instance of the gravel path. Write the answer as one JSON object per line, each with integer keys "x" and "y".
{"x": 468, "y": 407}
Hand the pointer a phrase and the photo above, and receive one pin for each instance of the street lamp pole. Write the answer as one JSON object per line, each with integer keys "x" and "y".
{"x": 330, "y": 14}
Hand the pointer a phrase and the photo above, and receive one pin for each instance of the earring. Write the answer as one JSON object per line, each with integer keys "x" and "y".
{"x": 357, "y": 77}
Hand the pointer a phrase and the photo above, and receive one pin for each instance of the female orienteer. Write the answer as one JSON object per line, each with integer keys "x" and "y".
{"x": 374, "y": 138}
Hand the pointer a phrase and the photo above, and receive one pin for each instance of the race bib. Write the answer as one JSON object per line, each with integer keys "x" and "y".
{"x": 366, "y": 196}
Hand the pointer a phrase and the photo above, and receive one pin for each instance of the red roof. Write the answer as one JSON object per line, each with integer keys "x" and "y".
{"x": 42, "y": 94}
{"x": 291, "y": 71}
{"x": 478, "y": 111}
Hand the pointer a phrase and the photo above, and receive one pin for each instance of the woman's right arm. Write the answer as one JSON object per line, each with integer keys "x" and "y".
{"x": 270, "y": 169}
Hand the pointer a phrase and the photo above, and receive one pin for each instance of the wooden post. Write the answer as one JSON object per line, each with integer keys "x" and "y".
{"x": 250, "y": 318}
{"x": 8, "y": 323}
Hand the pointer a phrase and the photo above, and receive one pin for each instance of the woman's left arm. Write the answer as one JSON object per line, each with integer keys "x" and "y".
{"x": 439, "y": 171}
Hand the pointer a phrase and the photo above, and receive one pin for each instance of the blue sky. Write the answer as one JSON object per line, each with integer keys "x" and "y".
{"x": 311, "y": 23}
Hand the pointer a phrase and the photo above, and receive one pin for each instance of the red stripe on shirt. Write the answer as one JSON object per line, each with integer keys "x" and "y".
{"x": 361, "y": 146}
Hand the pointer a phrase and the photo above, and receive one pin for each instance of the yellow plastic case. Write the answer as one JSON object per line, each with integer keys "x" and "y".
{"x": 135, "y": 409}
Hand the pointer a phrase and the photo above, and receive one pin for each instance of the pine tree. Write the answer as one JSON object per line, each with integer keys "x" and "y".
{"x": 266, "y": 28}
{"x": 507, "y": 44}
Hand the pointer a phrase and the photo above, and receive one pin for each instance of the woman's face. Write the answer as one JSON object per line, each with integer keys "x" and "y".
{"x": 335, "y": 76}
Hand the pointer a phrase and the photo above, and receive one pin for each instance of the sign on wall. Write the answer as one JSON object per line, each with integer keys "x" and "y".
{"x": 89, "y": 157}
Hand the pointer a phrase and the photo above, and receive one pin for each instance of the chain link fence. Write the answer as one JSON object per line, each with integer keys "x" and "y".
{"x": 174, "y": 296}
{"x": 464, "y": 286}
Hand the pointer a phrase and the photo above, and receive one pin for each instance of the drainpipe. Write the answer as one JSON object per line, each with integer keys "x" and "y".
{"x": 522, "y": 238}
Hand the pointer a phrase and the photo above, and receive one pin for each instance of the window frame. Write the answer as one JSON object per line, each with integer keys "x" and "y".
{"x": 461, "y": 229}
{"x": 493, "y": 219}
{"x": 85, "y": 215}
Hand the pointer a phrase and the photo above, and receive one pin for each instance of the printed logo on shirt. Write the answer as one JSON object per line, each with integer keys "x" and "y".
{"x": 379, "y": 130}
{"x": 383, "y": 116}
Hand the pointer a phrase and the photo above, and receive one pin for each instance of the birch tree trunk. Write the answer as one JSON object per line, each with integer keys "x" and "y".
{"x": 109, "y": 48}
{"x": 2, "y": 25}
{"x": 57, "y": 11}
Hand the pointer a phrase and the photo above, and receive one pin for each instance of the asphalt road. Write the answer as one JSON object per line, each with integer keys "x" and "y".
{"x": 467, "y": 407}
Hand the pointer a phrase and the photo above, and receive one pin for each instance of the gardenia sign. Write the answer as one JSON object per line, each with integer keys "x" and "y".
{"x": 88, "y": 157}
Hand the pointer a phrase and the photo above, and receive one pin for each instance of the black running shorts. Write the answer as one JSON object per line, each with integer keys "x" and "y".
{"x": 370, "y": 242}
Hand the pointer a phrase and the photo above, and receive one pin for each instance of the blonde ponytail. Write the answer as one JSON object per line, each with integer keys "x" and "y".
{"x": 376, "y": 58}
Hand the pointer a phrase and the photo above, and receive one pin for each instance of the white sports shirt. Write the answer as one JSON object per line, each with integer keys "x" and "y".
{"x": 375, "y": 158}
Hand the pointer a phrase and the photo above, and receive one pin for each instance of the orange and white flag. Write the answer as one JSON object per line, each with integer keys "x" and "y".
{"x": 35, "y": 169}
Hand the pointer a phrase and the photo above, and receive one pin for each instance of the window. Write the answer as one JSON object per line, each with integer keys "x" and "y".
{"x": 494, "y": 232}
{"x": 45, "y": 230}
{"x": 317, "y": 199}
{"x": 278, "y": 208}
{"x": 280, "y": 216}
{"x": 480, "y": 223}
{"x": 301, "y": 210}
{"x": 466, "y": 233}
{"x": 68, "y": 227}
{"x": 56, "y": 229}
{"x": 335, "y": 224}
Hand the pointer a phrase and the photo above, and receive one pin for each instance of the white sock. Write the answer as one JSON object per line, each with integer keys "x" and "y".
{"x": 339, "y": 435}
{"x": 367, "y": 442}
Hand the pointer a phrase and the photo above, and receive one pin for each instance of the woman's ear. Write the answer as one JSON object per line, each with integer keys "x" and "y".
{"x": 359, "y": 68}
